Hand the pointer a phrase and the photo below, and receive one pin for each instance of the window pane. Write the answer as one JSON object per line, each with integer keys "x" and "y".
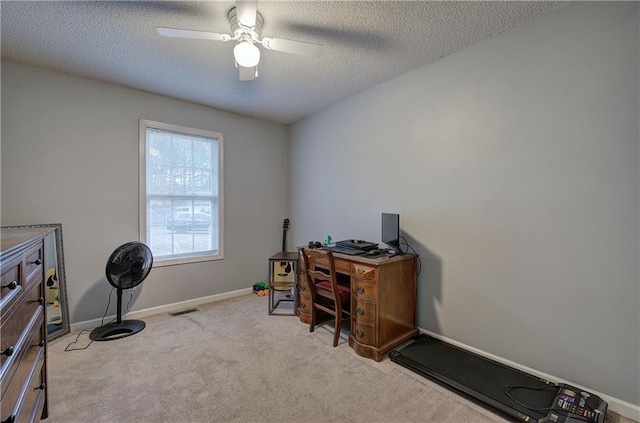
{"x": 181, "y": 185}
{"x": 160, "y": 240}
{"x": 159, "y": 148}
{"x": 181, "y": 151}
{"x": 202, "y": 154}
{"x": 181, "y": 180}
{"x": 159, "y": 180}
{"x": 202, "y": 182}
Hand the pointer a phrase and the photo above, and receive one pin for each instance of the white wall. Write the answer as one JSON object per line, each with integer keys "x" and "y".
{"x": 70, "y": 155}
{"x": 514, "y": 165}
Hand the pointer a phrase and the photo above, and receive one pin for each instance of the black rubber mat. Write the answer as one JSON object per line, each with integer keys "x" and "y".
{"x": 478, "y": 377}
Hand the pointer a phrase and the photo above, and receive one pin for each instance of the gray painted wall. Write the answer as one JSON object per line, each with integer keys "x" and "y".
{"x": 514, "y": 165}
{"x": 70, "y": 155}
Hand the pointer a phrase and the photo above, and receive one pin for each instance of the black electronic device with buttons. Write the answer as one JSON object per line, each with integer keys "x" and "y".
{"x": 573, "y": 404}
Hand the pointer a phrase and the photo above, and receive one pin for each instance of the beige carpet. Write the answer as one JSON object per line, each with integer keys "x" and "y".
{"x": 232, "y": 362}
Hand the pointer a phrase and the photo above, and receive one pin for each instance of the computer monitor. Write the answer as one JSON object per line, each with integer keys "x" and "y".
{"x": 391, "y": 230}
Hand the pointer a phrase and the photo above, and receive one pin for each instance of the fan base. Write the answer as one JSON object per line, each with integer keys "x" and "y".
{"x": 112, "y": 331}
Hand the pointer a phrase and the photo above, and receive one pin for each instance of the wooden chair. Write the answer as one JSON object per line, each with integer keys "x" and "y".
{"x": 326, "y": 294}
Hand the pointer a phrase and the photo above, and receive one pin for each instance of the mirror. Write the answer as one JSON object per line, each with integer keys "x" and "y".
{"x": 55, "y": 281}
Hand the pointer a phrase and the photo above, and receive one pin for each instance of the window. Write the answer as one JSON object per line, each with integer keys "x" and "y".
{"x": 180, "y": 193}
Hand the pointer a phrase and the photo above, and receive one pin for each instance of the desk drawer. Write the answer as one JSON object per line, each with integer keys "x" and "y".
{"x": 363, "y": 272}
{"x": 365, "y": 312}
{"x": 305, "y": 304}
{"x": 365, "y": 334}
{"x": 302, "y": 288}
{"x": 366, "y": 290}
{"x": 341, "y": 265}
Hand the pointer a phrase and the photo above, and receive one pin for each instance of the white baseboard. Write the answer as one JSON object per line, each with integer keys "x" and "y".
{"x": 168, "y": 308}
{"x": 624, "y": 408}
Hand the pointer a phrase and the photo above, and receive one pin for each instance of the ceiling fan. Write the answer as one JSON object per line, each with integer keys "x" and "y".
{"x": 246, "y": 25}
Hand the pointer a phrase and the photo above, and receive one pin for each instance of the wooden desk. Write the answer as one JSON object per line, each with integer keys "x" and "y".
{"x": 383, "y": 300}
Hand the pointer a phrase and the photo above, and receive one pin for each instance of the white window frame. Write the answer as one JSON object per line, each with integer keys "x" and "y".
{"x": 195, "y": 257}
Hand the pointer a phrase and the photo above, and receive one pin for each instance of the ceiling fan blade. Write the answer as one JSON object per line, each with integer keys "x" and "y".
{"x": 247, "y": 74}
{"x": 188, "y": 33}
{"x": 290, "y": 46}
{"x": 247, "y": 10}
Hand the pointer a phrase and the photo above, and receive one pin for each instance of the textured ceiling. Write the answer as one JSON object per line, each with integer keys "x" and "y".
{"x": 365, "y": 44}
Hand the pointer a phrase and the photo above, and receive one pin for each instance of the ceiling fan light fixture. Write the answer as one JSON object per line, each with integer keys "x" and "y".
{"x": 246, "y": 54}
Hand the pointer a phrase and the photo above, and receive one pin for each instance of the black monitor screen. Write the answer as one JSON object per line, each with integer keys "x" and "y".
{"x": 391, "y": 229}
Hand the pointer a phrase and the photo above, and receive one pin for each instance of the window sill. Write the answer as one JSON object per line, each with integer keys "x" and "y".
{"x": 185, "y": 260}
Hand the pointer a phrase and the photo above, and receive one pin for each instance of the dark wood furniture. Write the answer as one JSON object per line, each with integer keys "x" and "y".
{"x": 283, "y": 279}
{"x": 383, "y": 300}
{"x": 324, "y": 291}
{"x": 23, "y": 364}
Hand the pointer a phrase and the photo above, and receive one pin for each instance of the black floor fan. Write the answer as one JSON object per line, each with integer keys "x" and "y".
{"x": 127, "y": 267}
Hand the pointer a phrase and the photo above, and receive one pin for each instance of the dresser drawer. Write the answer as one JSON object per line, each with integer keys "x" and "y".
{"x": 363, "y": 272}
{"x": 31, "y": 356}
{"x": 366, "y": 290}
{"x": 13, "y": 329}
{"x": 365, "y": 312}
{"x": 365, "y": 334}
{"x": 11, "y": 284}
{"x": 28, "y": 405}
{"x": 33, "y": 265}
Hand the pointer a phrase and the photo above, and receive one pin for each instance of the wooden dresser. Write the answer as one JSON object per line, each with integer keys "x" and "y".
{"x": 23, "y": 336}
{"x": 383, "y": 300}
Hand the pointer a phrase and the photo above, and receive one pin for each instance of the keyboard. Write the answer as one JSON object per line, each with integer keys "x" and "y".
{"x": 346, "y": 250}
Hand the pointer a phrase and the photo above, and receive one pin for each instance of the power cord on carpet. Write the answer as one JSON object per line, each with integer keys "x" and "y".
{"x": 67, "y": 349}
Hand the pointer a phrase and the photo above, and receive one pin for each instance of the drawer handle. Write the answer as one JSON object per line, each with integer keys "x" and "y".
{"x": 359, "y": 311}
{"x": 8, "y": 352}
{"x": 360, "y": 290}
{"x": 41, "y": 387}
{"x": 303, "y": 305}
{"x": 360, "y": 270}
{"x": 37, "y": 262}
{"x": 11, "y": 285}
{"x": 303, "y": 288}
{"x": 40, "y": 344}
{"x": 10, "y": 419}
{"x": 359, "y": 334}
{"x": 39, "y": 300}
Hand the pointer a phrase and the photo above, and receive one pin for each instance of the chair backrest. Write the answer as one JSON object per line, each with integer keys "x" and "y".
{"x": 315, "y": 276}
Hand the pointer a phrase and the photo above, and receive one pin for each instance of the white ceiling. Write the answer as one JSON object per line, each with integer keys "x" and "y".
{"x": 365, "y": 44}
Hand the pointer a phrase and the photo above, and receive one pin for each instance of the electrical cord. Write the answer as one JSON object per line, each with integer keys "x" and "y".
{"x": 127, "y": 310}
{"x": 412, "y": 249}
{"x": 67, "y": 349}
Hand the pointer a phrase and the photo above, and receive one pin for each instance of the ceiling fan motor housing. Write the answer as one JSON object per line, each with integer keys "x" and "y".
{"x": 239, "y": 30}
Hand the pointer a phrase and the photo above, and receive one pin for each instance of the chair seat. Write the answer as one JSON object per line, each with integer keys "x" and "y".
{"x": 326, "y": 285}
